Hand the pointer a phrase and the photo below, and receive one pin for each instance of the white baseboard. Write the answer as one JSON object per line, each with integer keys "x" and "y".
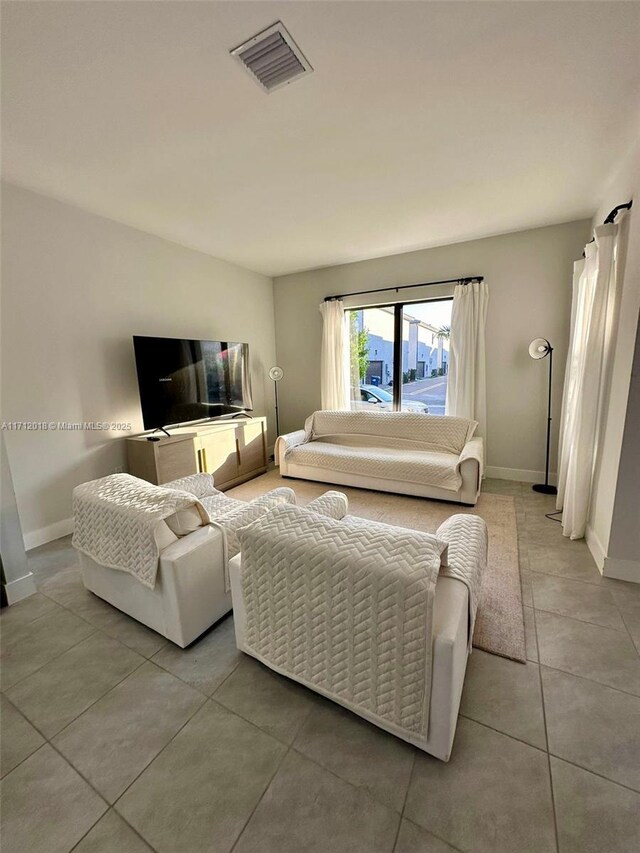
{"x": 596, "y": 547}
{"x": 47, "y": 534}
{"x": 622, "y": 570}
{"x": 522, "y": 474}
{"x": 20, "y": 588}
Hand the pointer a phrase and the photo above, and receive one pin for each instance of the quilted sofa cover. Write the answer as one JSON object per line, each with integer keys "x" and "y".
{"x": 115, "y": 520}
{"x": 440, "y": 433}
{"x": 230, "y": 513}
{"x": 344, "y": 609}
{"x": 347, "y": 607}
{"x": 428, "y": 455}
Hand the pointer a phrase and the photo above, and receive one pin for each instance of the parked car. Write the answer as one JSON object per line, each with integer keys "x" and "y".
{"x": 374, "y": 398}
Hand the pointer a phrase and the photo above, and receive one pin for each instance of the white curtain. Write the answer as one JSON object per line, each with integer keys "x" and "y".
{"x": 334, "y": 364}
{"x": 466, "y": 386}
{"x": 592, "y": 315}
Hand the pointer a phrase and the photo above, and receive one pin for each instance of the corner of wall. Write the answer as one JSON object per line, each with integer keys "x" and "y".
{"x": 596, "y": 547}
{"x": 20, "y": 588}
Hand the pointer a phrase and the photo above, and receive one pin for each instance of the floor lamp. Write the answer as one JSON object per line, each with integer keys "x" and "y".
{"x": 276, "y": 373}
{"x": 541, "y": 348}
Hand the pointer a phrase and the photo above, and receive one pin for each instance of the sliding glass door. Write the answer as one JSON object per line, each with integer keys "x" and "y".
{"x": 399, "y": 356}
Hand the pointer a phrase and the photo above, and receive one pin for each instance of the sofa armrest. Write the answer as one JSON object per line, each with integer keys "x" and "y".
{"x": 201, "y": 485}
{"x": 249, "y": 512}
{"x": 473, "y": 449}
{"x": 467, "y": 542}
{"x": 281, "y": 495}
{"x": 471, "y": 467}
{"x": 286, "y": 442}
{"x": 205, "y": 545}
{"x": 332, "y": 504}
{"x": 194, "y": 583}
{"x": 467, "y": 539}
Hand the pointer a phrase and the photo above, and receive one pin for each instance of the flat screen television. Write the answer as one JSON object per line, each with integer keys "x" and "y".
{"x": 182, "y": 380}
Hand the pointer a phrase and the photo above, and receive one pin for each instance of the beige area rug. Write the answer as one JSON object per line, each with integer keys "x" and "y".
{"x": 500, "y": 618}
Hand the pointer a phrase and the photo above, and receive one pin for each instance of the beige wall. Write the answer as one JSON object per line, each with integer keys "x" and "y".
{"x": 529, "y": 275}
{"x": 75, "y": 288}
{"x": 611, "y": 472}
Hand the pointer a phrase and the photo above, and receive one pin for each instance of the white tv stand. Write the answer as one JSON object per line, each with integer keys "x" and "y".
{"x": 233, "y": 450}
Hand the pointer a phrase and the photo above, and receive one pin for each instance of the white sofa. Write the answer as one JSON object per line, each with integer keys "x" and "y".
{"x": 451, "y": 627}
{"x": 191, "y": 590}
{"x": 428, "y": 456}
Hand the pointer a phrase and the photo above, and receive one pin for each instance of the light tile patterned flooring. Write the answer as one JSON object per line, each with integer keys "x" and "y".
{"x": 115, "y": 740}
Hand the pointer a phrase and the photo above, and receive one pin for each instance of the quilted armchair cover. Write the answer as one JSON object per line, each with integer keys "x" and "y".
{"x": 345, "y": 610}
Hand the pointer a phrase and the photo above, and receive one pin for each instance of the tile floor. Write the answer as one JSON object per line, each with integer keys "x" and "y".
{"x": 115, "y": 740}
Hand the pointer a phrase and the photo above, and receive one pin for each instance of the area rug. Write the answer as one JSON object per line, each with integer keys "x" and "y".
{"x": 500, "y": 619}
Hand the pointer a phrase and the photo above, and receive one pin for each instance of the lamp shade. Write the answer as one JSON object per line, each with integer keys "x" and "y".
{"x": 276, "y": 373}
{"x": 539, "y": 348}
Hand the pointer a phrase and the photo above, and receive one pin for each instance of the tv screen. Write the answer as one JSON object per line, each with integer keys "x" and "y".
{"x": 182, "y": 380}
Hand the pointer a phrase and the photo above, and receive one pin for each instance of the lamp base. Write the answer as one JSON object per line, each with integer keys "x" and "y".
{"x": 546, "y": 490}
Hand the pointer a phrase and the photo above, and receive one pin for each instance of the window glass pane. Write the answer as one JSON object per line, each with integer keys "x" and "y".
{"x": 371, "y": 358}
{"x": 425, "y": 355}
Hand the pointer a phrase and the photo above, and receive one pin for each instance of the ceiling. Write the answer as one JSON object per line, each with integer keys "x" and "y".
{"x": 422, "y": 124}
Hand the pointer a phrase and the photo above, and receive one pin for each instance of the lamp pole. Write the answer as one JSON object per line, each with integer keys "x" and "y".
{"x": 545, "y": 488}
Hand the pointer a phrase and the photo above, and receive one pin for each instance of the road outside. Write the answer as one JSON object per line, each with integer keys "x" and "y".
{"x": 431, "y": 391}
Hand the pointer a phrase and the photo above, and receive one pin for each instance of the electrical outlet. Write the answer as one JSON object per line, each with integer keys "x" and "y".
{"x": 118, "y": 470}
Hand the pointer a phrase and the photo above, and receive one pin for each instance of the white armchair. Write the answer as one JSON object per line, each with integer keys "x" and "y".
{"x": 191, "y": 589}
{"x": 305, "y": 578}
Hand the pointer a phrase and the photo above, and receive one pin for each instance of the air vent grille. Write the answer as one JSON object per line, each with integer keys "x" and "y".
{"x": 273, "y": 58}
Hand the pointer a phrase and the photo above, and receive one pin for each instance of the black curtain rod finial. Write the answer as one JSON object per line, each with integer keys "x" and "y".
{"x": 611, "y": 218}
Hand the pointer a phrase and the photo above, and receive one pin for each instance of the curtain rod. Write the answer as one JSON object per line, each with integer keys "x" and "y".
{"x": 465, "y": 280}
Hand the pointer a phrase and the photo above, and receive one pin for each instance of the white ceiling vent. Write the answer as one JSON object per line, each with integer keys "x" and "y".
{"x": 273, "y": 58}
